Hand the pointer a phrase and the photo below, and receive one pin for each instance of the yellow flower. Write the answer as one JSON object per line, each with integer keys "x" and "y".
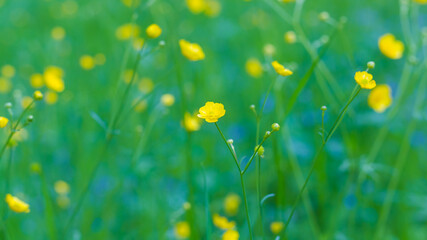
{"x": 380, "y": 98}
{"x": 390, "y": 46}
{"x": 63, "y": 201}
{"x": 53, "y": 78}
{"x": 290, "y": 37}
{"x": 99, "y": 59}
{"x": 35, "y": 167}
{"x": 269, "y": 49}
{"x": 146, "y": 85}
{"x": 276, "y": 227}
{"x": 138, "y": 43}
{"x": 153, "y": 31}
{"x": 421, "y": 1}
{"x": 128, "y": 74}
{"x": 61, "y": 187}
{"x": 280, "y": 69}
{"x": 36, "y": 80}
{"x": 127, "y": 31}
{"x": 212, "y": 8}
{"x": 288, "y": 1}
{"x": 87, "y": 62}
{"x": 191, "y": 123}
{"x": 20, "y": 136}
{"x": 5, "y": 85}
{"x": 182, "y": 230}
{"x": 140, "y": 106}
{"x": 231, "y": 204}
{"x": 211, "y": 112}
{"x": 167, "y": 99}
{"x": 51, "y": 97}
{"x": 37, "y": 95}
{"x": 57, "y": 33}
{"x": 16, "y": 204}
{"x": 222, "y": 222}
{"x": 364, "y": 79}
{"x": 253, "y": 67}
{"x": 192, "y": 51}
{"x": 69, "y": 7}
{"x": 8, "y": 71}
{"x": 3, "y": 122}
{"x": 230, "y": 235}
{"x": 196, "y": 6}
{"x": 131, "y": 3}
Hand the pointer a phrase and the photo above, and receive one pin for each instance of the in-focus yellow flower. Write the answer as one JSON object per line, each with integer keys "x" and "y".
{"x": 212, "y": 8}
{"x": 390, "y": 46}
{"x": 58, "y": 33}
{"x": 16, "y": 204}
{"x": 138, "y": 43}
{"x": 37, "y": 95}
{"x": 421, "y": 1}
{"x": 222, "y": 222}
{"x": 51, "y": 97}
{"x": 290, "y": 37}
{"x": 192, "y": 51}
{"x": 380, "y": 98}
{"x": 87, "y": 62}
{"x": 364, "y": 79}
{"x": 26, "y": 101}
{"x": 99, "y": 59}
{"x": 182, "y": 230}
{"x": 211, "y": 112}
{"x": 253, "y": 67}
{"x": 153, "y": 31}
{"x": 196, "y": 6}
{"x": 3, "y": 122}
{"x": 191, "y": 123}
{"x": 127, "y": 31}
{"x": 280, "y": 69}
{"x": 36, "y": 80}
{"x": 53, "y": 78}
{"x": 5, "y": 85}
{"x": 146, "y": 85}
{"x": 231, "y": 204}
{"x": 8, "y": 71}
{"x": 230, "y": 235}
{"x": 61, "y": 187}
{"x": 167, "y": 99}
{"x": 276, "y": 227}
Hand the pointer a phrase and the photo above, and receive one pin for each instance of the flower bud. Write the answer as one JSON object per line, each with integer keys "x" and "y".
{"x": 323, "y": 16}
{"x": 230, "y": 141}
{"x": 38, "y": 95}
{"x": 260, "y": 150}
{"x": 8, "y": 105}
{"x": 267, "y": 134}
{"x": 323, "y": 108}
{"x": 371, "y": 64}
{"x": 275, "y": 127}
{"x": 30, "y": 118}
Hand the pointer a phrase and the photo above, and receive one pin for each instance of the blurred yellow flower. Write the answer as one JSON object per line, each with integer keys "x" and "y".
{"x": 35, "y": 167}
{"x": 212, "y": 8}
{"x": 364, "y": 79}
{"x": 290, "y": 37}
{"x": 288, "y": 1}
{"x": 3, "y": 122}
{"x": 222, "y": 222}
{"x": 138, "y": 43}
{"x": 26, "y": 101}
{"x": 99, "y": 59}
{"x": 253, "y": 67}
{"x": 140, "y": 106}
{"x": 167, "y": 100}
{"x": 280, "y": 69}
{"x": 191, "y": 123}
{"x": 390, "y": 46}
{"x": 269, "y": 49}
{"x": 230, "y": 235}
{"x": 231, "y": 204}
{"x": 58, "y": 33}
{"x": 127, "y": 31}
{"x": 69, "y": 7}
{"x": 196, "y": 6}
{"x": 53, "y": 78}
{"x": 37, "y": 95}
{"x": 61, "y": 187}
{"x": 16, "y": 204}
{"x": 421, "y": 1}
{"x": 5, "y": 85}
{"x": 276, "y": 227}
{"x": 153, "y": 31}
{"x": 182, "y": 230}
{"x": 146, "y": 85}
{"x": 87, "y": 62}
{"x": 211, "y": 112}
{"x": 36, "y": 80}
{"x": 192, "y": 51}
{"x": 51, "y": 97}
{"x": 63, "y": 201}
{"x": 20, "y": 135}
{"x": 131, "y": 3}
{"x": 8, "y": 71}
{"x": 128, "y": 74}
{"x": 380, "y": 98}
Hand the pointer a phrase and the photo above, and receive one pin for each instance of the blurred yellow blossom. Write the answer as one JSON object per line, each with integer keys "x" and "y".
{"x": 146, "y": 85}
{"x": 167, "y": 99}
{"x": 230, "y": 235}
{"x": 196, "y": 6}
{"x": 288, "y": 1}
{"x": 3, "y": 122}
{"x": 140, "y": 106}
{"x": 280, "y": 69}
{"x": 138, "y": 43}
{"x": 380, "y": 98}
{"x": 69, "y": 7}
{"x": 26, "y": 101}
{"x": 127, "y": 31}
{"x": 191, "y": 123}
{"x": 269, "y": 49}
{"x": 51, "y": 97}
{"x": 61, "y": 187}
{"x": 131, "y": 3}
{"x": 36, "y": 80}
{"x": 37, "y": 95}
{"x": 153, "y": 31}
{"x": 212, "y": 8}
{"x": 364, "y": 79}
{"x": 16, "y": 204}
{"x": 5, "y": 85}
{"x": 87, "y": 62}
{"x": 222, "y": 222}
{"x": 8, "y": 71}
{"x": 192, "y": 51}
{"x": 35, "y": 167}
{"x": 20, "y": 135}
{"x": 276, "y": 227}
{"x": 390, "y": 46}
{"x": 231, "y": 204}
{"x": 58, "y": 33}
{"x": 53, "y": 78}
{"x": 182, "y": 230}
{"x": 211, "y": 112}
{"x": 290, "y": 37}
{"x": 63, "y": 201}
{"x": 253, "y": 67}
{"x": 421, "y": 1}
{"x": 99, "y": 59}
{"x": 127, "y": 75}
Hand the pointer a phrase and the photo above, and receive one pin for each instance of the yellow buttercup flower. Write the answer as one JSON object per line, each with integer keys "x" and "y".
{"x": 380, "y": 98}
{"x": 276, "y": 227}
{"x": 16, "y": 204}
{"x": 390, "y": 46}
{"x": 37, "y": 95}
{"x": 8, "y": 71}
{"x": 364, "y": 79}
{"x": 36, "y": 80}
{"x": 87, "y": 62}
{"x": 231, "y": 204}
{"x": 196, "y": 6}
{"x": 192, "y": 51}
{"x": 5, "y": 85}
{"x": 182, "y": 230}
{"x": 61, "y": 187}
{"x": 3, "y": 122}
{"x": 290, "y": 37}
{"x": 153, "y": 31}
{"x": 131, "y": 3}
{"x": 51, "y": 97}
{"x": 253, "y": 67}
{"x": 280, "y": 69}
{"x": 53, "y": 78}
{"x": 212, "y": 8}
{"x": 230, "y": 235}
{"x": 58, "y": 33}
{"x": 211, "y": 112}
{"x": 167, "y": 100}
{"x": 288, "y": 1}
{"x": 222, "y": 222}
{"x": 146, "y": 85}
{"x": 421, "y": 1}
{"x": 127, "y": 31}
{"x": 191, "y": 123}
